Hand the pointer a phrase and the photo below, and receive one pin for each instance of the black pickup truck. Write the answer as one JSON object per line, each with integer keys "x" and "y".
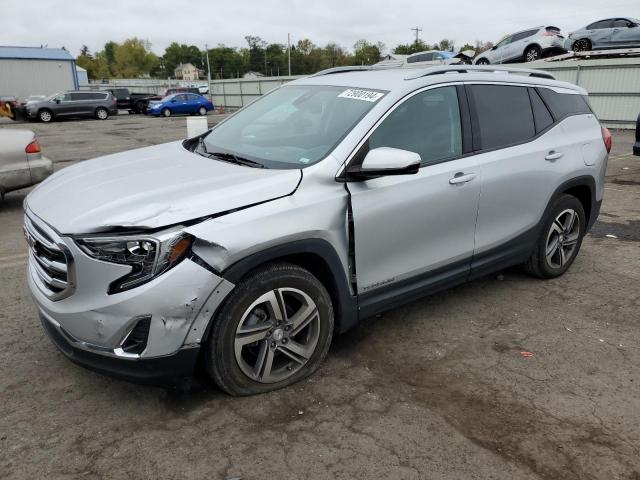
{"x": 134, "y": 102}
{"x": 636, "y": 146}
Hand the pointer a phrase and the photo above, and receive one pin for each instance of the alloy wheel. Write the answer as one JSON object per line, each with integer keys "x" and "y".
{"x": 532, "y": 55}
{"x": 562, "y": 238}
{"x": 45, "y": 116}
{"x": 102, "y": 114}
{"x": 277, "y": 335}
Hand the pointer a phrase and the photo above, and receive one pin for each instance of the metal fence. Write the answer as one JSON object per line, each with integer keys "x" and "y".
{"x": 613, "y": 86}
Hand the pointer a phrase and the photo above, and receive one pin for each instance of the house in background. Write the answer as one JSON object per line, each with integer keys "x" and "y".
{"x": 189, "y": 72}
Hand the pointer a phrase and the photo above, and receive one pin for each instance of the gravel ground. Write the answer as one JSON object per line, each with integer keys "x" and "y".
{"x": 437, "y": 389}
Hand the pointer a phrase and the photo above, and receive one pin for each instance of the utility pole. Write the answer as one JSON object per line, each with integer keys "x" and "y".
{"x": 289, "y": 51}
{"x": 417, "y": 30}
{"x": 206, "y": 47}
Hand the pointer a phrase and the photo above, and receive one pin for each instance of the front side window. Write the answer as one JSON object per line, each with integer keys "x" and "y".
{"x": 428, "y": 124}
{"x": 504, "y": 41}
{"x": 293, "y": 126}
{"x": 503, "y": 115}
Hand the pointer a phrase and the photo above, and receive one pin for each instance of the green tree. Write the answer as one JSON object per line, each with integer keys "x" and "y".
{"x": 133, "y": 58}
{"x": 445, "y": 45}
{"x": 408, "y": 49}
{"x": 96, "y": 67}
{"x": 175, "y": 54}
{"x": 367, "y": 53}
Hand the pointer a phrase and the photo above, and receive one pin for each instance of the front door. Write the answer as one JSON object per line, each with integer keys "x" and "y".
{"x": 412, "y": 228}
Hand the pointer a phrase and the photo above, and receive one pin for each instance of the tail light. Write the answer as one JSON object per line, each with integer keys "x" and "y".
{"x": 607, "y": 139}
{"x": 33, "y": 147}
{"x": 114, "y": 100}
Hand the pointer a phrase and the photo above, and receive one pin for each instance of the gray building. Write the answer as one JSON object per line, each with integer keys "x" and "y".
{"x": 28, "y": 71}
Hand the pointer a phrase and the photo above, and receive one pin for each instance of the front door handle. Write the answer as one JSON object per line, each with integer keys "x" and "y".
{"x": 553, "y": 155}
{"x": 460, "y": 178}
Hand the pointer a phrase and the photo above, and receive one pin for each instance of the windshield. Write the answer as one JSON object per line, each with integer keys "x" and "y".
{"x": 294, "y": 126}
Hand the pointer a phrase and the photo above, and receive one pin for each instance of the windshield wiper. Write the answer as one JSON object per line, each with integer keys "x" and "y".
{"x": 233, "y": 158}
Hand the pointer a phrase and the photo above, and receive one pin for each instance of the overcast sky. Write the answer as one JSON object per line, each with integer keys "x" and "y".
{"x": 72, "y": 23}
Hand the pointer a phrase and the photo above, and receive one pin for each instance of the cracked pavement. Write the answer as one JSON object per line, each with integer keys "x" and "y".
{"x": 437, "y": 389}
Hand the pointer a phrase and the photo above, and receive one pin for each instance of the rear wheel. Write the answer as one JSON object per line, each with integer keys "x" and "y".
{"x": 582, "y": 45}
{"x": 45, "y": 115}
{"x": 273, "y": 330}
{"x": 482, "y": 61}
{"x": 166, "y": 112}
{"x": 102, "y": 113}
{"x": 532, "y": 54}
{"x": 202, "y": 111}
{"x": 561, "y": 238}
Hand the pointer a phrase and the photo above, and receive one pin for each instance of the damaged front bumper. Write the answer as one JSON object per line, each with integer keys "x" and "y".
{"x": 91, "y": 327}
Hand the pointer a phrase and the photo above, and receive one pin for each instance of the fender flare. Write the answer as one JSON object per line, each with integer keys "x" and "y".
{"x": 345, "y": 304}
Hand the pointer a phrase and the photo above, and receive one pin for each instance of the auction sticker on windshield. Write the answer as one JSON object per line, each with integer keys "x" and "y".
{"x": 366, "y": 95}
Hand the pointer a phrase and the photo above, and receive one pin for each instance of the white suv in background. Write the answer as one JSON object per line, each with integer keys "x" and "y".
{"x": 328, "y": 200}
{"x": 529, "y": 45}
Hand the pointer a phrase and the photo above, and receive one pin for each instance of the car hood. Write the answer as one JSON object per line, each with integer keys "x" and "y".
{"x": 150, "y": 188}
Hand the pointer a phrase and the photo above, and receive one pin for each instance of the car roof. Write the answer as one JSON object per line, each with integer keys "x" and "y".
{"x": 404, "y": 80}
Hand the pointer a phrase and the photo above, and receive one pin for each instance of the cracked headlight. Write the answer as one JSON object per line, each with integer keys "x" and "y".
{"x": 148, "y": 257}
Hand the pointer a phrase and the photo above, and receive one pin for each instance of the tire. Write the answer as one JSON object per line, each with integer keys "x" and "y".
{"x": 166, "y": 112}
{"x": 547, "y": 261}
{"x": 582, "y": 45}
{"x": 482, "y": 61}
{"x": 102, "y": 113}
{"x": 45, "y": 115}
{"x": 533, "y": 53}
{"x": 284, "y": 351}
{"x": 202, "y": 111}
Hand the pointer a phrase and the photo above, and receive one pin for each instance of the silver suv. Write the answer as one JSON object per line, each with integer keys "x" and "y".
{"x": 529, "y": 45}
{"x": 328, "y": 200}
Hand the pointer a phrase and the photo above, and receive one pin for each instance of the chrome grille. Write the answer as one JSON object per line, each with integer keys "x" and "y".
{"x": 50, "y": 261}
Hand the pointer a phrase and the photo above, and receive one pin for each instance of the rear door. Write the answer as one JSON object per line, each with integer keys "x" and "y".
{"x": 519, "y": 43}
{"x": 625, "y": 33}
{"x": 516, "y": 154}
{"x": 417, "y": 228}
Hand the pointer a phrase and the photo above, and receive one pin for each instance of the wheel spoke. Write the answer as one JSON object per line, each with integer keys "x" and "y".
{"x": 563, "y": 257}
{"x": 569, "y": 221}
{"x": 267, "y": 363}
{"x": 296, "y": 351}
{"x": 551, "y": 247}
{"x": 557, "y": 226}
{"x": 253, "y": 333}
{"x": 571, "y": 239}
{"x": 302, "y": 318}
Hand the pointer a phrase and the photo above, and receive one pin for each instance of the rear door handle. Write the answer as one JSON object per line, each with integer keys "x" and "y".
{"x": 552, "y": 156}
{"x": 460, "y": 178}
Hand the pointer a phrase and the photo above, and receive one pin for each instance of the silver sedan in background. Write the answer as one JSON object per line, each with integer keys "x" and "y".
{"x": 621, "y": 32}
{"x": 21, "y": 161}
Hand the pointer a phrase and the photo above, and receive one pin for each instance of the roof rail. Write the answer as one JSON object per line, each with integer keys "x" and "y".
{"x": 354, "y": 68}
{"x": 480, "y": 68}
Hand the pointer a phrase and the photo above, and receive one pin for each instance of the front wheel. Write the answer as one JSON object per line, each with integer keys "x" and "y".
{"x": 482, "y": 61}
{"x": 45, "y": 116}
{"x": 532, "y": 54}
{"x": 166, "y": 112}
{"x": 273, "y": 330}
{"x": 561, "y": 238}
{"x": 582, "y": 45}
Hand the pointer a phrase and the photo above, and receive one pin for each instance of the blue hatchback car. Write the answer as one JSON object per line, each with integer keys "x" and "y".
{"x": 180, "y": 103}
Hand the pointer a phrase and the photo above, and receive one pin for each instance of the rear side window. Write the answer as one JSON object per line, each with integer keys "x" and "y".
{"x": 523, "y": 35}
{"x": 503, "y": 115}
{"x": 427, "y": 123}
{"x": 564, "y": 104}
{"x": 541, "y": 115}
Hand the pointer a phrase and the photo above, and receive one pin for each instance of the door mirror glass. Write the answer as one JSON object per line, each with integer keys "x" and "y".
{"x": 384, "y": 161}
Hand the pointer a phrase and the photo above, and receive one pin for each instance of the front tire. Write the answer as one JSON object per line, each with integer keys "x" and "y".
{"x": 582, "y": 45}
{"x": 560, "y": 240}
{"x": 166, "y": 112}
{"x": 482, "y": 61}
{"x": 102, "y": 113}
{"x": 532, "y": 54}
{"x": 273, "y": 330}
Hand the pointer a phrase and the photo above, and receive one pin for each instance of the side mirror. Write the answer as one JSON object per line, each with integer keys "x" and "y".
{"x": 632, "y": 25}
{"x": 57, "y": 100}
{"x": 385, "y": 161}
{"x": 173, "y": 100}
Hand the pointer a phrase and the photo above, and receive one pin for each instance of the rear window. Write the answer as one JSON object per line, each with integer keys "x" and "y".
{"x": 503, "y": 114}
{"x": 564, "y": 104}
{"x": 541, "y": 113}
